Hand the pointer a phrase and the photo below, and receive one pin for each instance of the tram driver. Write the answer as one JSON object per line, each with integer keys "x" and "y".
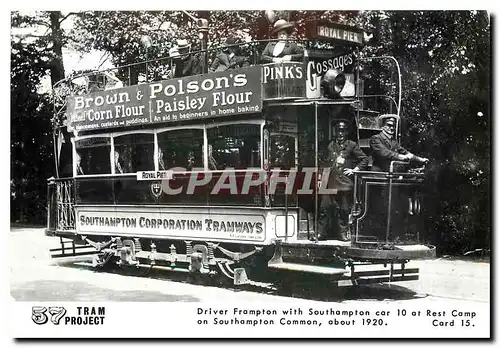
{"x": 385, "y": 148}
{"x": 344, "y": 158}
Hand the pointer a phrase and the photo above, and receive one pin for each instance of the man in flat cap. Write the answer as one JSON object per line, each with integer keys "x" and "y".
{"x": 385, "y": 148}
{"x": 344, "y": 158}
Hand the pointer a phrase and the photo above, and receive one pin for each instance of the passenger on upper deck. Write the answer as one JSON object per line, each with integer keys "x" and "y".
{"x": 141, "y": 79}
{"x": 283, "y": 50}
{"x": 229, "y": 58}
{"x": 112, "y": 81}
{"x": 186, "y": 64}
{"x": 385, "y": 148}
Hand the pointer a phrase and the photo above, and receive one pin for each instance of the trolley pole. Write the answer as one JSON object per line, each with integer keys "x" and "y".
{"x": 202, "y": 22}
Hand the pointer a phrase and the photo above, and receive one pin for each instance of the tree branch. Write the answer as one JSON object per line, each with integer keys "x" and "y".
{"x": 64, "y": 18}
{"x": 29, "y": 35}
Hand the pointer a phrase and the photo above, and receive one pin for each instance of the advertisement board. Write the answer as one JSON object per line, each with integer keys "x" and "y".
{"x": 154, "y": 222}
{"x": 221, "y": 94}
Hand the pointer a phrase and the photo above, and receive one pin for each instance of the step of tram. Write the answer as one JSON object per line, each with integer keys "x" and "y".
{"x": 70, "y": 248}
{"x": 303, "y": 230}
{"x": 307, "y": 268}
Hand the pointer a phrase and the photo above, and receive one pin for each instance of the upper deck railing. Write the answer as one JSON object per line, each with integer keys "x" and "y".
{"x": 296, "y": 79}
{"x": 158, "y": 69}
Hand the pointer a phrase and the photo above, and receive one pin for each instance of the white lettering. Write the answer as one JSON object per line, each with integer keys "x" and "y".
{"x": 227, "y": 174}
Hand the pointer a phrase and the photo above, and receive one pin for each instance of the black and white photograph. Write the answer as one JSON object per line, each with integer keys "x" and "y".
{"x": 261, "y": 173}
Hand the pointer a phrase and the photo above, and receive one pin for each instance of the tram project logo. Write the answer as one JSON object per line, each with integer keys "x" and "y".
{"x": 57, "y": 315}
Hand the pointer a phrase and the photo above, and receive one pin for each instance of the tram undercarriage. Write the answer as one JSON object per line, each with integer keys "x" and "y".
{"x": 340, "y": 262}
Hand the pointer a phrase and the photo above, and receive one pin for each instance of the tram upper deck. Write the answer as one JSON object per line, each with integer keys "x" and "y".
{"x": 145, "y": 94}
{"x": 239, "y": 105}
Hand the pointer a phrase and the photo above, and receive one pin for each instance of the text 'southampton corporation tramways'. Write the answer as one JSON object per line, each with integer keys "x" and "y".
{"x": 240, "y": 170}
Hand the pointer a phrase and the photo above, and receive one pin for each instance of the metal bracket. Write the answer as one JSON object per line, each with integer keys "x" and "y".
{"x": 199, "y": 259}
{"x": 278, "y": 254}
{"x": 127, "y": 254}
{"x": 240, "y": 277}
{"x": 236, "y": 256}
{"x": 97, "y": 245}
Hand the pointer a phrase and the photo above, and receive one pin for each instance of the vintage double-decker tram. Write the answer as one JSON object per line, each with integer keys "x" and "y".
{"x": 217, "y": 173}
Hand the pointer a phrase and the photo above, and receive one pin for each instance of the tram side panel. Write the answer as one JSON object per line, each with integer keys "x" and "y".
{"x": 112, "y": 206}
{"x": 378, "y": 220}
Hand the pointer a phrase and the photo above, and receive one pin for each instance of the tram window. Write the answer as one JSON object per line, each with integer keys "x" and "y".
{"x": 65, "y": 157}
{"x": 180, "y": 148}
{"x": 282, "y": 153}
{"x": 92, "y": 156}
{"x": 133, "y": 153}
{"x": 235, "y": 146}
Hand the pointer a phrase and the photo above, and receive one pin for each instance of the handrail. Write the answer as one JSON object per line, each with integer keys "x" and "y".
{"x": 399, "y": 75}
{"x": 380, "y": 95}
{"x": 391, "y": 166}
{"x": 208, "y": 50}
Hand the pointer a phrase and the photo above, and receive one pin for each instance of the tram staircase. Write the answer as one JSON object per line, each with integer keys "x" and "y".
{"x": 62, "y": 218}
{"x": 72, "y": 248}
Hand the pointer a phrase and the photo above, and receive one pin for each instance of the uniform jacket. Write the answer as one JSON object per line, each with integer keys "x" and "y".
{"x": 343, "y": 156}
{"x": 291, "y": 49}
{"x": 350, "y": 151}
{"x": 385, "y": 150}
{"x": 190, "y": 66}
{"x": 223, "y": 62}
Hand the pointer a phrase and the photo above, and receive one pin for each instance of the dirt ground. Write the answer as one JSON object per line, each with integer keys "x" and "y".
{"x": 33, "y": 276}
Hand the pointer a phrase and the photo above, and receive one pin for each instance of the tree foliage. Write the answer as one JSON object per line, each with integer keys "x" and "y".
{"x": 31, "y": 136}
{"x": 445, "y": 63}
{"x": 445, "y": 60}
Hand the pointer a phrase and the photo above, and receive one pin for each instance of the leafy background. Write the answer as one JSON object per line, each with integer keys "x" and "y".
{"x": 445, "y": 57}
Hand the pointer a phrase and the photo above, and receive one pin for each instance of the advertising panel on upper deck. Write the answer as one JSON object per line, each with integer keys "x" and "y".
{"x": 208, "y": 95}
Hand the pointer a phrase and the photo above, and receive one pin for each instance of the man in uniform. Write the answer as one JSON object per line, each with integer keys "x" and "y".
{"x": 344, "y": 158}
{"x": 385, "y": 148}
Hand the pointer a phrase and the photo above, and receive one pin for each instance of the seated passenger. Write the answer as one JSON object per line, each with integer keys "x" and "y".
{"x": 94, "y": 84}
{"x": 118, "y": 167}
{"x": 141, "y": 79}
{"x": 229, "y": 58}
{"x": 282, "y": 51}
{"x": 385, "y": 148}
{"x": 188, "y": 64}
{"x": 161, "y": 161}
{"x": 79, "y": 170}
{"x": 212, "y": 164}
{"x": 112, "y": 81}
